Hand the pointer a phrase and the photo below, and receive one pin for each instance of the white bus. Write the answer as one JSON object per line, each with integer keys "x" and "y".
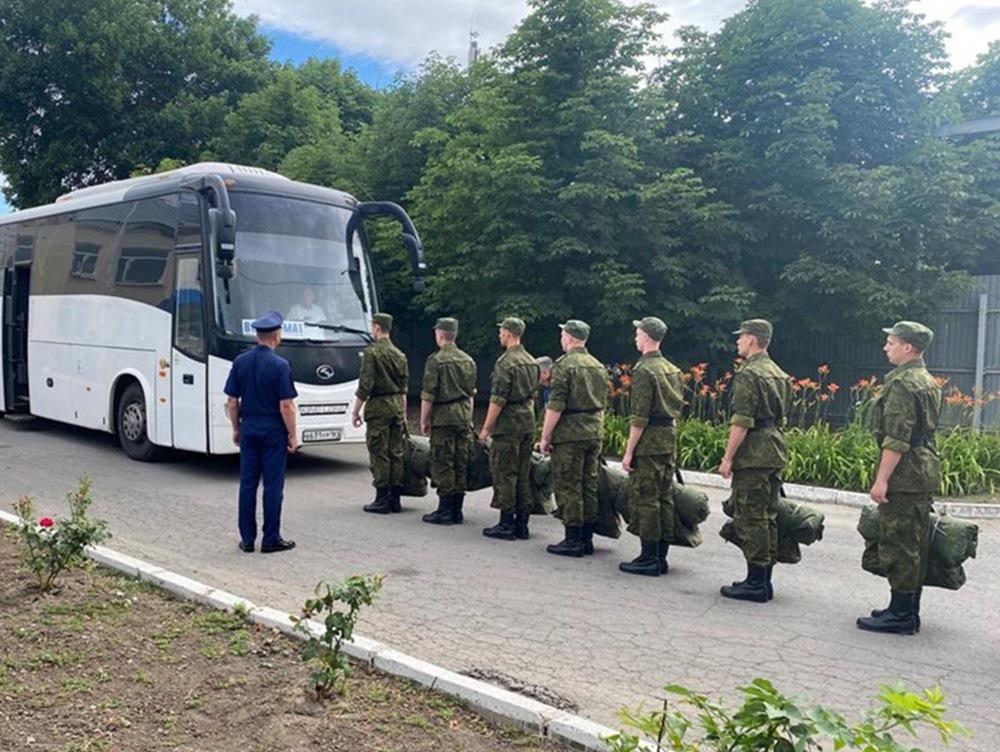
{"x": 124, "y": 304}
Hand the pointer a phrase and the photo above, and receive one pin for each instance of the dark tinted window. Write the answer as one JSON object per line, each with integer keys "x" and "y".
{"x": 95, "y": 238}
{"x": 52, "y": 264}
{"x": 143, "y": 269}
{"x": 189, "y": 220}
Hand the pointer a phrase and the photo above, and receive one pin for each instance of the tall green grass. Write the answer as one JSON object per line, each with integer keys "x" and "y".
{"x": 844, "y": 458}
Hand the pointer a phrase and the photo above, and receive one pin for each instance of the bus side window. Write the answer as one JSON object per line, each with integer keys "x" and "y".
{"x": 189, "y": 330}
{"x": 189, "y": 220}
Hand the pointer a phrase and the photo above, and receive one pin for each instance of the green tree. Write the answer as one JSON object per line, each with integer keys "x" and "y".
{"x": 546, "y": 186}
{"x": 92, "y": 90}
{"x": 354, "y": 99}
{"x": 269, "y": 123}
{"x": 813, "y": 119}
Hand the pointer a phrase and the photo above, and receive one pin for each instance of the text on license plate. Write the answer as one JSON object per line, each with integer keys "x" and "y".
{"x": 321, "y": 434}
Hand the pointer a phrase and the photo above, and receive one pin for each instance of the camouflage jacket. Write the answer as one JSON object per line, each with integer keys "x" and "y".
{"x": 384, "y": 377}
{"x": 449, "y": 384}
{"x": 513, "y": 387}
{"x": 579, "y": 390}
{"x": 761, "y": 392}
{"x": 905, "y": 413}
{"x": 657, "y": 397}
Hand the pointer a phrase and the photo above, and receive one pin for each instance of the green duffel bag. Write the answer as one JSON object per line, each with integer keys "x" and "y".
{"x": 421, "y": 455}
{"x": 798, "y": 525}
{"x": 953, "y": 541}
{"x": 789, "y": 550}
{"x": 690, "y": 505}
{"x": 541, "y": 485}
{"x": 414, "y": 481}
{"x": 479, "y": 475}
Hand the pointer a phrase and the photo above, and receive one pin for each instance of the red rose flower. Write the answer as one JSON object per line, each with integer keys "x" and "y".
{"x": 46, "y": 522}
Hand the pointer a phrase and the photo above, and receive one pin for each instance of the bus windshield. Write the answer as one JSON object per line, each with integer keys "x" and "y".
{"x": 291, "y": 257}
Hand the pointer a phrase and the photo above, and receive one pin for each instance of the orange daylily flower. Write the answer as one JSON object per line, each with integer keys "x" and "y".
{"x": 832, "y": 388}
{"x": 824, "y": 369}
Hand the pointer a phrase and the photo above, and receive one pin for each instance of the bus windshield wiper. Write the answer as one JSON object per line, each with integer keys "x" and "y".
{"x": 342, "y": 328}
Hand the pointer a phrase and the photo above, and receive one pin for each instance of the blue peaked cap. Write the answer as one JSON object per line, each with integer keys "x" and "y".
{"x": 269, "y": 322}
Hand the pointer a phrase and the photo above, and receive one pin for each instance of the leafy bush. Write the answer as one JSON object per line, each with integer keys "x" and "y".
{"x": 50, "y": 546}
{"x": 331, "y": 667}
{"x": 845, "y": 458}
{"x": 771, "y": 722}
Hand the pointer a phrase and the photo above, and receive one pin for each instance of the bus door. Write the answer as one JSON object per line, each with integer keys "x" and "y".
{"x": 188, "y": 371}
{"x": 16, "y": 284}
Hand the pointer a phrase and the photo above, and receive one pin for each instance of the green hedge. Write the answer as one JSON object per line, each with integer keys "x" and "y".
{"x": 844, "y": 458}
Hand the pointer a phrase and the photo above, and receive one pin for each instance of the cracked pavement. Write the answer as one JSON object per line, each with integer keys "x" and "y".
{"x": 579, "y": 628}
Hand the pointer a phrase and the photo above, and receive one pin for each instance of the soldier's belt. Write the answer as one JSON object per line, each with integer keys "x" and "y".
{"x": 590, "y": 410}
{"x": 921, "y": 441}
{"x": 386, "y": 394}
{"x": 764, "y": 423}
{"x": 452, "y": 401}
{"x": 661, "y": 420}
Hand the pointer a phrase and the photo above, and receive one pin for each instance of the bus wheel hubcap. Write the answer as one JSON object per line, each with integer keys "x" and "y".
{"x": 133, "y": 421}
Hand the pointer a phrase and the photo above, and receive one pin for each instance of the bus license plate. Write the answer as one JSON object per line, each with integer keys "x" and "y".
{"x": 321, "y": 434}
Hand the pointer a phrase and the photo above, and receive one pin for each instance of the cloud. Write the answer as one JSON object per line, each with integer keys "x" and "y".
{"x": 401, "y": 33}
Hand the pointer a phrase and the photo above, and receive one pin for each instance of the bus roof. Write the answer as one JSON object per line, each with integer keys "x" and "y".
{"x": 237, "y": 177}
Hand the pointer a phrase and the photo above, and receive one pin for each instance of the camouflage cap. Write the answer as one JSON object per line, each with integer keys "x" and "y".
{"x": 655, "y": 327}
{"x": 912, "y": 333}
{"x": 576, "y": 328}
{"x": 384, "y": 320}
{"x": 758, "y": 327}
{"x": 513, "y": 324}
{"x": 447, "y": 324}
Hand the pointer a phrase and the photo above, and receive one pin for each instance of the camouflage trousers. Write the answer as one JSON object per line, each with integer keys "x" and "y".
{"x": 451, "y": 449}
{"x": 574, "y": 478}
{"x": 384, "y": 438}
{"x": 755, "y": 514}
{"x": 510, "y": 466}
{"x": 904, "y": 539}
{"x": 650, "y": 504}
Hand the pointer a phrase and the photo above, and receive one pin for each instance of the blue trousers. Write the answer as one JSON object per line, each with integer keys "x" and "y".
{"x": 263, "y": 452}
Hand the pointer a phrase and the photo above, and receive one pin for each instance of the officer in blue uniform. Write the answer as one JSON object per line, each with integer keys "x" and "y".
{"x": 261, "y": 408}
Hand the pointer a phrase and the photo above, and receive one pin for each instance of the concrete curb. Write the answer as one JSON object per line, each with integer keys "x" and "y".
{"x": 489, "y": 700}
{"x": 820, "y": 495}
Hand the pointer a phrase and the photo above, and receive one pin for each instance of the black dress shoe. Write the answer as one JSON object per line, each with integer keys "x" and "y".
{"x": 246, "y": 548}
{"x": 281, "y": 545}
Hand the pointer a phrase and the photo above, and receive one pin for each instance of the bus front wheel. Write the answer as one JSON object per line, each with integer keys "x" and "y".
{"x": 132, "y": 426}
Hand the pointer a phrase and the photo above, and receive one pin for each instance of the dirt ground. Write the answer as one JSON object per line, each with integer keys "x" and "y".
{"x": 110, "y": 664}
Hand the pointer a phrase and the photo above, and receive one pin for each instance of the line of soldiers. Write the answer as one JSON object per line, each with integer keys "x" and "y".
{"x": 906, "y": 414}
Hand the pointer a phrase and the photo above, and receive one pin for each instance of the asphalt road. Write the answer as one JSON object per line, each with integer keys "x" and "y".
{"x": 578, "y": 628}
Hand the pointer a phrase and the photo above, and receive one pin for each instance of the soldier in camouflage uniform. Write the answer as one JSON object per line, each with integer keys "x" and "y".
{"x": 657, "y": 397}
{"x": 755, "y": 456}
{"x": 906, "y": 415}
{"x": 511, "y": 421}
{"x": 572, "y": 431}
{"x": 446, "y": 416}
{"x": 382, "y": 391}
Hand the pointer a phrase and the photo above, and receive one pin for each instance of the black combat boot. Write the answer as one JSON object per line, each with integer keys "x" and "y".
{"x": 457, "y": 499}
{"x": 876, "y": 612}
{"x": 770, "y": 588}
{"x": 397, "y": 492}
{"x": 664, "y": 548}
{"x": 382, "y": 503}
{"x": 587, "y": 538}
{"x": 503, "y": 530}
{"x": 521, "y": 525}
{"x": 571, "y": 545}
{"x": 899, "y": 618}
{"x": 753, "y": 588}
{"x": 441, "y": 515}
{"x": 647, "y": 562}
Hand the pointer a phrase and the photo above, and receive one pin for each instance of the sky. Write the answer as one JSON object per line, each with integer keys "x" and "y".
{"x": 380, "y": 38}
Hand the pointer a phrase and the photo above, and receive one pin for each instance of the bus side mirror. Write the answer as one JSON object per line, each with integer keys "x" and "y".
{"x": 416, "y": 250}
{"x": 223, "y": 223}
